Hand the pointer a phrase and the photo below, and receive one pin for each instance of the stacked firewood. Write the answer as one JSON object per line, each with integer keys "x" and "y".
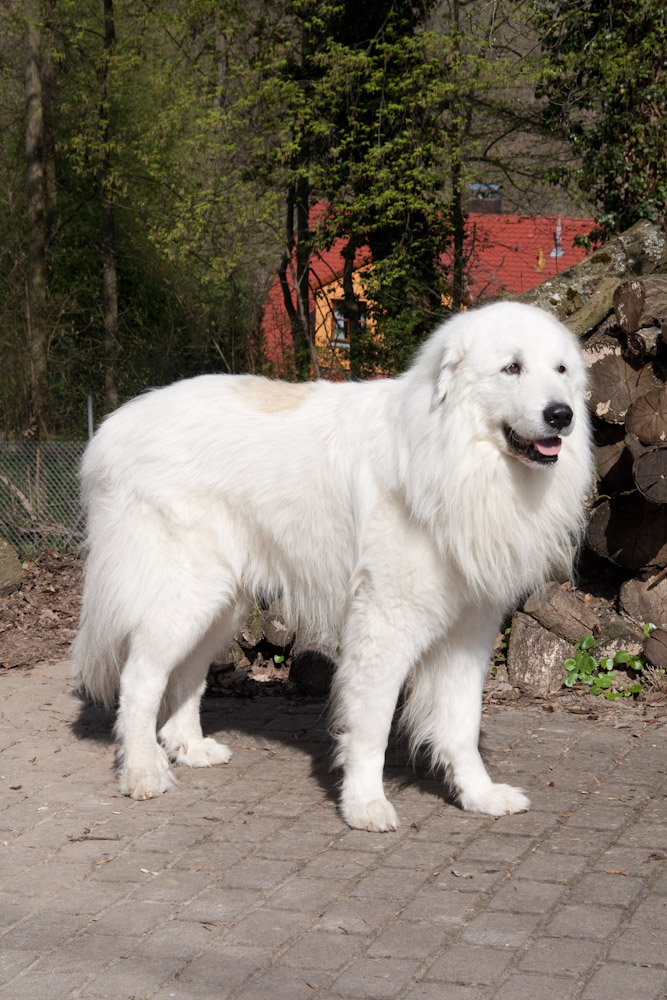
{"x": 616, "y": 301}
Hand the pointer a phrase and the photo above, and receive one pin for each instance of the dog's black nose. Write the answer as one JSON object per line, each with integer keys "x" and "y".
{"x": 558, "y": 415}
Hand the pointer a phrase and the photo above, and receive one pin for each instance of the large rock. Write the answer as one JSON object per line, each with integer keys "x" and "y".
{"x": 12, "y": 573}
{"x": 535, "y": 657}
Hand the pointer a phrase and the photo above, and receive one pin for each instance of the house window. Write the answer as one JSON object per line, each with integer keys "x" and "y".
{"x": 340, "y": 336}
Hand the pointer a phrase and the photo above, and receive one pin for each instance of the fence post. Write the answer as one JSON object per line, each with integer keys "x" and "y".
{"x": 89, "y": 405}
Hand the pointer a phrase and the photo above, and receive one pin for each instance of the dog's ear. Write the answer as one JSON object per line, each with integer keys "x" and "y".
{"x": 451, "y": 359}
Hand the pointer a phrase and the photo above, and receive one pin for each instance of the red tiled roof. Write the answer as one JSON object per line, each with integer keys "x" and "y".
{"x": 505, "y": 253}
{"x": 512, "y": 253}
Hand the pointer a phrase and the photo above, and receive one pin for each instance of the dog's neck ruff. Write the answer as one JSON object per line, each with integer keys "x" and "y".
{"x": 506, "y": 524}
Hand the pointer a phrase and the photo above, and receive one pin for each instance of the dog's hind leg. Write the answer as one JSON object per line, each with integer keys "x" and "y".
{"x": 181, "y": 733}
{"x": 143, "y": 766}
{"x": 165, "y": 672}
{"x": 443, "y": 712}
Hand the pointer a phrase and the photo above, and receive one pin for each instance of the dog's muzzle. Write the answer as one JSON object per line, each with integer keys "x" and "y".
{"x": 543, "y": 451}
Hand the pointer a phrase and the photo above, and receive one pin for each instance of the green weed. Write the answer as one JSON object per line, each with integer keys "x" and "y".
{"x": 600, "y": 675}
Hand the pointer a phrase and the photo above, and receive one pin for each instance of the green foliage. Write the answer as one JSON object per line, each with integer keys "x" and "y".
{"x": 605, "y": 85}
{"x": 583, "y": 668}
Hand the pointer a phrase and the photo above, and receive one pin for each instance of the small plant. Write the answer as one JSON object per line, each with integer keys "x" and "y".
{"x": 583, "y": 668}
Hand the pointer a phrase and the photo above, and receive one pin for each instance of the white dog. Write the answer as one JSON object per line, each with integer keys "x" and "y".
{"x": 405, "y": 516}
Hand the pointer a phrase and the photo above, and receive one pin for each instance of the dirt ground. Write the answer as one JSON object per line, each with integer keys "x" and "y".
{"x": 38, "y": 621}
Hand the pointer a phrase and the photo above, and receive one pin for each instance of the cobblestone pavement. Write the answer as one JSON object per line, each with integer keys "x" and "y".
{"x": 244, "y": 883}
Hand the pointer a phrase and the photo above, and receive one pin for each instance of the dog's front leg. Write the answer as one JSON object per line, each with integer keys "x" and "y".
{"x": 443, "y": 712}
{"x": 376, "y": 660}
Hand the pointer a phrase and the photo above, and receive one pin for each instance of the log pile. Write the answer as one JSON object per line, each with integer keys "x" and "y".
{"x": 616, "y": 301}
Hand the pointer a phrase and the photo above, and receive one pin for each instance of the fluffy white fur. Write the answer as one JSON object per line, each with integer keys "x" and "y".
{"x": 398, "y": 514}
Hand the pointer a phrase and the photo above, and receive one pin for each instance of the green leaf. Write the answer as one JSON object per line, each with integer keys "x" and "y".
{"x": 587, "y": 642}
{"x": 622, "y": 657}
{"x": 570, "y": 664}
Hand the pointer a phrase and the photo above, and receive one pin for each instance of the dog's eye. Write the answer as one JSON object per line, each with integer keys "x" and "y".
{"x": 562, "y": 369}
{"x": 513, "y": 369}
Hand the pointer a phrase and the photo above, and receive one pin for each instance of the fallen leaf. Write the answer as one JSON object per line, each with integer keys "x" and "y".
{"x": 463, "y": 874}
{"x": 614, "y": 871}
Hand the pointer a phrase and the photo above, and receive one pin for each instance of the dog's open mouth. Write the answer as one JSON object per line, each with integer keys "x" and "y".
{"x": 543, "y": 450}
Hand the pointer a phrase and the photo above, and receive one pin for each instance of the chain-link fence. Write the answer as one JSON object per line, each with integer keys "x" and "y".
{"x": 39, "y": 493}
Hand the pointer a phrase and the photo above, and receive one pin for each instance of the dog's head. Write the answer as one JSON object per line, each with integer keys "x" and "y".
{"x": 525, "y": 372}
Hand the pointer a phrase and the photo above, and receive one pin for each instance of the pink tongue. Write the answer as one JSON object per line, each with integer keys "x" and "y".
{"x": 551, "y": 446}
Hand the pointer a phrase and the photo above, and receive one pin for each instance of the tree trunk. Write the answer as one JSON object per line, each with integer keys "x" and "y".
{"x": 458, "y": 226}
{"x": 109, "y": 270}
{"x": 296, "y": 260}
{"x": 36, "y": 365}
{"x": 351, "y": 311}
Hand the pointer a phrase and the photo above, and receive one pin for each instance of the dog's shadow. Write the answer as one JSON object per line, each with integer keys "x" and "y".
{"x": 299, "y": 723}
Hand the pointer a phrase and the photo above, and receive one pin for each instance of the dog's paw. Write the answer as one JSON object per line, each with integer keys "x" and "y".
{"x": 376, "y": 815}
{"x": 145, "y": 782}
{"x": 496, "y": 800}
{"x": 199, "y": 753}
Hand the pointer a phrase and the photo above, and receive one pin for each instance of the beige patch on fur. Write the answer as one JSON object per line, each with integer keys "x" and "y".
{"x": 272, "y": 396}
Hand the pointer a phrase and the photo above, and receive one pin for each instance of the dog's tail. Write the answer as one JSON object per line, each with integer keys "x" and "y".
{"x": 97, "y": 656}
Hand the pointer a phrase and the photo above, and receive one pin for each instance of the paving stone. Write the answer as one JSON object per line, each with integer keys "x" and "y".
{"x": 635, "y": 861}
{"x": 526, "y": 986}
{"x": 342, "y": 865}
{"x": 616, "y": 980}
{"x": 285, "y": 983}
{"x": 504, "y": 849}
{"x": 358, "y": 916}
{"x": 226, "y": 967}
{"x": 40, "y": 932}
{"x": 130, "y": 917}
{"x": 562, "y": 956}
{"x": 642, "y": 944}
{"x": 447, "y": 907}
{"x": 433, "y": 991}
{"x": 218, "y": 905}
{"x": 258, "y": 873}
{"x": 545, "y": 866}
{"x": 13, "y": 962}
{"x": 596, "y": 923}
{"x": 376, "y": 979}
{"x": 269, "y": 927}
{"x": 408, "y": 940}
{"x": 35, "y": 985}
{"x": 306, "y": 895}
{"x": 469, "y": 965}
{"x": 86, "y": 953}
{"x": 500, "y": 931}
{"x": 522, "y": 896}
{"x": 402, "y": 886}
{"x": 613, "y": 890}
{"x": 134, "y": 975}
{"x": 328, "y": 951}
